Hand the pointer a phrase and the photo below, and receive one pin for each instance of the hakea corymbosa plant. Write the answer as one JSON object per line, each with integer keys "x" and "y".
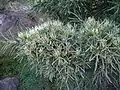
{"x": 71, "y": 58}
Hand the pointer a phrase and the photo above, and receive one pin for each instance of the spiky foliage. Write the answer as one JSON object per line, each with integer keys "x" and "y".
{"x": 73, "y": 59}
{"x": 52, "y": 51}
{"x": 70, "y": 59}
{"x": 105, "y": 9}
{"x": 8, "y": 65}
{"x": 77, "y": 10}
{"x": 101, "y": 47}
{"x": 64, "y": 10}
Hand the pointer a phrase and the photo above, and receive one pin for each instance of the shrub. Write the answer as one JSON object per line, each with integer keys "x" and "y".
{"x": 52, "y": 51}
{"x": 71, "y": 59}
{"x": 101, "y": 47}
{"x": 77, "y": 10}
{"x": 64, "y": 10}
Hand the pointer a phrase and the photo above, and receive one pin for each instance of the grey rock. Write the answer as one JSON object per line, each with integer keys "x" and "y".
{"x": 18, "y": 6}
{"x": 13, "y": 22}
{"x": 17, "y": 17}
{"x": 9, "y": 84}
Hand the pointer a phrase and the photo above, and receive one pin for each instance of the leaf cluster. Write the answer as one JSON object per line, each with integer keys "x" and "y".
{"x": 68, "y": 57}
{"x": 75, "y": 11}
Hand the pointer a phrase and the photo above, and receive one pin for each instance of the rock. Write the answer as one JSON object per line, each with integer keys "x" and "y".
{"x": 18, "y": 7}
{"x": 16, "y": 17}
{"x": 13, "y": 22}
{"x": 9, "y": 84}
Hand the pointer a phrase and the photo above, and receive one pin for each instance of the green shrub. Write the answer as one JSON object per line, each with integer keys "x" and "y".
{"x": 101, "y": 47}
{"x": 86, "y": 58}
{"x": 65, "y": 58}
{"x": 77, "y": 10}
{"x": 64, "y": 10}
{"x": 52, "y": 51}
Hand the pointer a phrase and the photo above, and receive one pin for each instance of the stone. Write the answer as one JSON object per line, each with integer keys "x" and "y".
{"x": 13, "y": 22}
{"x": 17, "y": 17}
{"x": 9, "y": 84}
{"x": 18, "y": 7}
